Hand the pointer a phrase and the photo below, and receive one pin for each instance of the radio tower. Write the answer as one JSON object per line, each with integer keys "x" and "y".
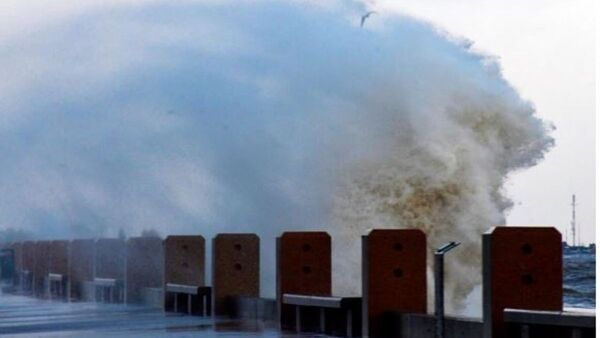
{"x": 573, "y": 224}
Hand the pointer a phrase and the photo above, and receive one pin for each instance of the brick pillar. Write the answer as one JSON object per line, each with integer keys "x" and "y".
{"x": 28, "y": 249}
{"x": 81, "y": 266}
{"x": 59, "y": 263}
{"x": 144, "y": 266}
{"x": 185, "y": 260}
{"x": 7, "y": 262}
{"x": 303, "y": 267}
{"x": 522, "y": 268}
{"x": 236, "y": 269}
{"x": 110, "y": 258}
{"x": 59, "y": 257}
{"x": 17, "y": 248}
{"x": 185, "y": 264}
{"x": 394, "y": 268}
{"x": 40, "y": 267}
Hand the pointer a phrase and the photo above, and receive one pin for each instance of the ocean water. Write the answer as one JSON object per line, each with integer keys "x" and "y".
{"x": 579, "y": 279}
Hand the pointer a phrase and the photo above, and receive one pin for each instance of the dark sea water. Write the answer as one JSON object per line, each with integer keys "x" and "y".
{"x": 579, "y": 278}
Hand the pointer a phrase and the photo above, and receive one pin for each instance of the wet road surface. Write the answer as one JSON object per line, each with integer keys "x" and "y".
{"x": 22, "y": 316}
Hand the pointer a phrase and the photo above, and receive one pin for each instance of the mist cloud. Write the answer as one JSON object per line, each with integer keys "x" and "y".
{"x": 264, "y": 117}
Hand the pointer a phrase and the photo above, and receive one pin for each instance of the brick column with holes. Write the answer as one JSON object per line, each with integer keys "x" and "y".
{"x": 394, "y": 266}
{"x": 81, "y": 265}
{"x": 185, "y": 260}
{"x": 41, "y": 267}
{"x": 522, "y": 269}
{"x": 17, "y": 248}
{"x": 28, "y": 265}
{"x": 59, "y": 264}
{"x": 144, "y": 267}
{"x": 184, "y": 263}
{"x": 59, "y": 257}
{"x": 236, "y": 269}
{"x": 303, "y": 267}
{"x": 110, "y": 258}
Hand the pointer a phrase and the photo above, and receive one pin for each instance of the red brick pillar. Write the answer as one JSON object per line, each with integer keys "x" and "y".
{"x": 40, "y": 267}
{"x": 522, "y": 268}
{"x": 28, "y": 255}
{"x": 144, "y": 267}
{"x": 59, "y": 264}
{"x": 28, "y": 264}
{"x": 394, "y": 266}
{"x": 185, "y": 264}
{"x": 7, "y": 256}
{"x": 59, "y": 257}
{"x": 185, "y": 260}
{"x": 303, "y": 267}
{"x": 236, "y": 269}
{"x": 17, "y": 248}
{"x": 110, "y": 263}
{"x": 81, "y": 266}
{"x": 110, "y": 258}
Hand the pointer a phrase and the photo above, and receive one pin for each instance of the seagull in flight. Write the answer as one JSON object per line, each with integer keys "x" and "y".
{"x": 365, "y": 16}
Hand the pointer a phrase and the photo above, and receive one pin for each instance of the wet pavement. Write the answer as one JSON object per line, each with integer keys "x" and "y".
{"x": 22, "y": 316}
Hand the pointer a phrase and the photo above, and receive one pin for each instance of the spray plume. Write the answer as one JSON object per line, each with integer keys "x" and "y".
{"x": 262, "y": 117}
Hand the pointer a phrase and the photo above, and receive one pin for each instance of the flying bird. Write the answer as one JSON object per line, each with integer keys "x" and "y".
{"x": 365, "y": 16}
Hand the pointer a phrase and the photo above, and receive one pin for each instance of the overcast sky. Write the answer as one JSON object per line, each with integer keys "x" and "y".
{"x": 547, "y": 51}
{"x": 545, "y": 48}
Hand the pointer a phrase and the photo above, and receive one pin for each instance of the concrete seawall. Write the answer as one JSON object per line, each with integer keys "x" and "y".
{"x": 521, "y": 272}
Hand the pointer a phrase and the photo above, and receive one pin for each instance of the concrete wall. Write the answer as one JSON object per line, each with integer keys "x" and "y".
{"x": 144, "y": 267}
{"x": 304, "y": 267}
{"x": 153, "y": 297}
{"x": 88, "y": 291}
{"x": 421, "y": 325}
{"x": 255, "y": 308}
{"x": 81, "y": 266}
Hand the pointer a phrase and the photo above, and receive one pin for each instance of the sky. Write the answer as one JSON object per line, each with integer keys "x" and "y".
{"x": 547, "y": 51}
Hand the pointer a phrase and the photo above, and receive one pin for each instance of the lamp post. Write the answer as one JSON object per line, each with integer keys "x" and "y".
{"x": 438, "y": 266}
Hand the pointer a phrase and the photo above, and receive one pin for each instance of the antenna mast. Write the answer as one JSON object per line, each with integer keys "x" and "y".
{"x": 573, "y": 224}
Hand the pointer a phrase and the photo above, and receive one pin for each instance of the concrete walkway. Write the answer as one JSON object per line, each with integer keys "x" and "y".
{"x": 22, "y": 316}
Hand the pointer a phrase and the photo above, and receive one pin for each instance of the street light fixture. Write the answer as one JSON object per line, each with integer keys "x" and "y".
{"x": 439, "y": 286}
